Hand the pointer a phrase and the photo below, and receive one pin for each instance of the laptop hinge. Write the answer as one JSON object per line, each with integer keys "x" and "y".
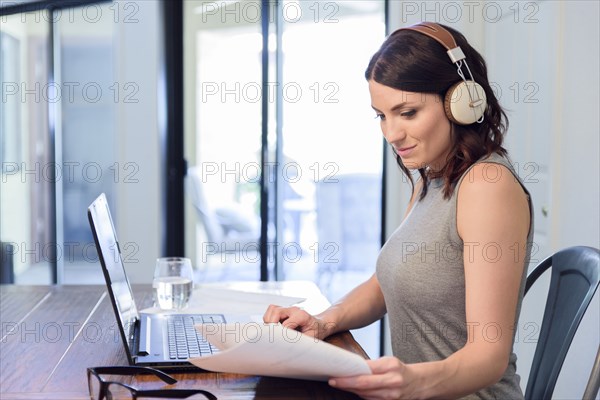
{"x": 134, "y": 340}
{"x": 144, "y": 345}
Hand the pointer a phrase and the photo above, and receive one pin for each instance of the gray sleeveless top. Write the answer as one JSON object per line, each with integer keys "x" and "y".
{"x": 421, "y": 273}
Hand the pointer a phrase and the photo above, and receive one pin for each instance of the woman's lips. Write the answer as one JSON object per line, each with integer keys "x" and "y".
{"x": 405, "y": 151}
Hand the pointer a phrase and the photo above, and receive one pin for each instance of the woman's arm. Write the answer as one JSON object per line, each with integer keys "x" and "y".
{"x": 493, "y": 221}
{"x": 360, "y": 307}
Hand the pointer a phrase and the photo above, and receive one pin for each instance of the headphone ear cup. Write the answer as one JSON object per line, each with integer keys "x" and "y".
{"x": 458, "y": 106}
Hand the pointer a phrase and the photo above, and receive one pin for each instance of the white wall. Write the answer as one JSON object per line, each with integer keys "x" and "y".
{"x": 576, "y": 148}
{"x": 553, "y": 47}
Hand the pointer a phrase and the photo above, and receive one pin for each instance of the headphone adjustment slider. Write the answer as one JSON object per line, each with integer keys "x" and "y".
{"x": 476, "y": 103}
{"x": 456, "y": 54}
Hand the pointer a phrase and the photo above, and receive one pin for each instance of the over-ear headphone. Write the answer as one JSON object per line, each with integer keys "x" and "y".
{"x": 465, "y": 102}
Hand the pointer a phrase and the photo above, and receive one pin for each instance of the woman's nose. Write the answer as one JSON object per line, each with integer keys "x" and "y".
{"x": 393, "y": 132}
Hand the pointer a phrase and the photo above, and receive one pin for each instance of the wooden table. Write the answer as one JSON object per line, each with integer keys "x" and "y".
{"x": 51, "y": 334}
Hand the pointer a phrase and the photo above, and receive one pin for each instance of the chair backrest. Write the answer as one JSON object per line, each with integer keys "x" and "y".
{"x": 214, "y": 231}
{"x": 574, "y": 280}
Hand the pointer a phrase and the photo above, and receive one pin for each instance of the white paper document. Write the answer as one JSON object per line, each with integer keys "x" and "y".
{"x": 272, "y": 350}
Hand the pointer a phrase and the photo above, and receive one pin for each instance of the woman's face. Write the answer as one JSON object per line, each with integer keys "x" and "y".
{"x": 415, "y": 124}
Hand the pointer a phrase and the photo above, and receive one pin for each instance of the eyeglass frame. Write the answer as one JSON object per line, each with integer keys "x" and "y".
{"x": 135, "y": 393}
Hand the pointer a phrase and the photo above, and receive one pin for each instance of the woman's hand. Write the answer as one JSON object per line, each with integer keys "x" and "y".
{"x": 361, "y": 307}
{"x": 391, "y": 379}
{"x": 298, "y": 319}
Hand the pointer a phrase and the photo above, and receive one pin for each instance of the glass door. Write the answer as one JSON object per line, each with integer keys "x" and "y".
{"x": 331, "y": 145}
{"x": 87, "y": 127}
{"x": 108, "y": 69}
{"x": 79, "y": 116}
{"x": 27, "y": 176}
{"x": 223, "y": 46}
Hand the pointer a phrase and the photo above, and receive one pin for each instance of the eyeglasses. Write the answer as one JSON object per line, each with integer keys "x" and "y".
{"x": 111, "y": 390}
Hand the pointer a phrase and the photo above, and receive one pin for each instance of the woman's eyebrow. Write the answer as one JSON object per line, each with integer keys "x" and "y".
{"x": 396, "y": 107}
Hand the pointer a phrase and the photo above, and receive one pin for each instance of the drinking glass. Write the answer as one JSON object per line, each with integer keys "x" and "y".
{"x": 173, "y": 283}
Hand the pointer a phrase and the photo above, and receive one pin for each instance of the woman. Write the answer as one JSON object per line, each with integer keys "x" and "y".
{"x": 451, "y": 277}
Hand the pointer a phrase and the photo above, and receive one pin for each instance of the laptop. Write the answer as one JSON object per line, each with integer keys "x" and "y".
{"x": 158, "y": 340}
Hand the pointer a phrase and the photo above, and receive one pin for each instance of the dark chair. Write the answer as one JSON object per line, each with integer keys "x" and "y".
{"x": 574, "y": 280}
{"x": 7, "y": 269}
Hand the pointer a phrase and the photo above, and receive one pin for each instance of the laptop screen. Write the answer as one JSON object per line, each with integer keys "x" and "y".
{"x": 112, "y": 266}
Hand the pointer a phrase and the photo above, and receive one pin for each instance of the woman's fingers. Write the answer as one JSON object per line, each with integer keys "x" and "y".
{"x": 275, "y": 314}
{"x": 388, "y": 380}
{"x": 292, "y": 318}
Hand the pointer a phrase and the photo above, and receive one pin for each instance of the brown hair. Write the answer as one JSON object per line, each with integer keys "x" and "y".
{"x": 413, "y": 62}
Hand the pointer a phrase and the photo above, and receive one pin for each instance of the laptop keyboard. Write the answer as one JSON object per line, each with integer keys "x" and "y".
{"x": 185, "y": 341}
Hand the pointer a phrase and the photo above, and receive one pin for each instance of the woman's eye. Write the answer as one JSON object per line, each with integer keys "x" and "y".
{"x": 380, "y": 116}
{"x": 409, "y": 114}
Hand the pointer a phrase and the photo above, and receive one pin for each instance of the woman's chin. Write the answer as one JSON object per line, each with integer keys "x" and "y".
{"x": 411, "y": 164}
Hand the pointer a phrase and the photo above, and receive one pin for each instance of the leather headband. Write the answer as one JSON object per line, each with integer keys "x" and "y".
{"x": 435, "y": 32}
